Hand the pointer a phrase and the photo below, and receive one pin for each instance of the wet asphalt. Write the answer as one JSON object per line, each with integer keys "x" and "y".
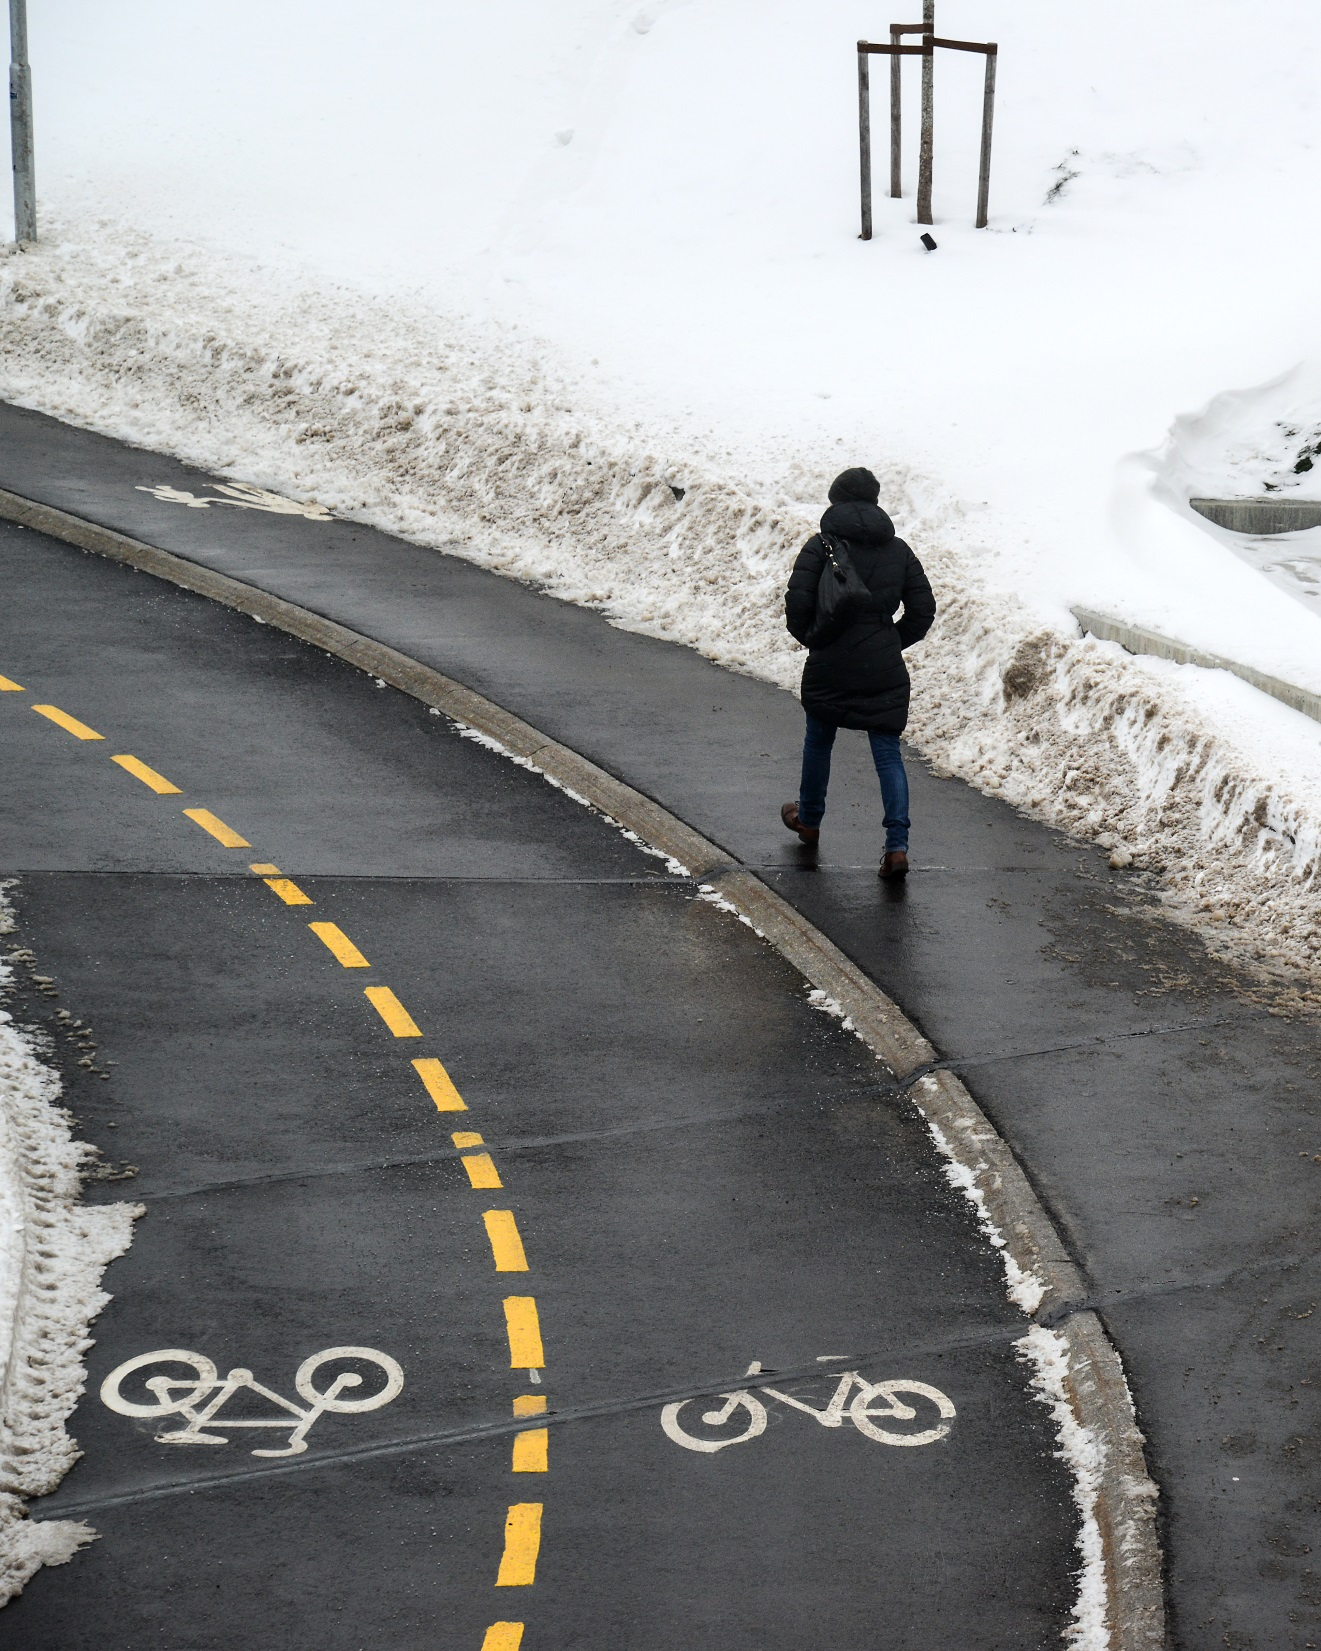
{"x": 702, "y": 1171}
{"x": 1164, "y": 1104}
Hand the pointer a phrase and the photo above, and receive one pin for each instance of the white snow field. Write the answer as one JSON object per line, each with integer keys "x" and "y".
{"x": 53, "y": 1251}
{"x": 500, "y": 275}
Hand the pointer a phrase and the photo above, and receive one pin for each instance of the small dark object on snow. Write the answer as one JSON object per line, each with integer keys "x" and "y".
{"x": 928, "y": 243}
{"x": 809, "y": 834}
{"x": 895, "y": 864}
{"x": 677, "y": 491}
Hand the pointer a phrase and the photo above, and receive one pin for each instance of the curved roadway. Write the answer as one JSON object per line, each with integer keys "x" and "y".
{"x": 415, "y": 1056}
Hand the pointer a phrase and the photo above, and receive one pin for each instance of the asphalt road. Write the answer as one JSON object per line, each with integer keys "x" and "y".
{"x": 1166, "y": 1106}
{"x": 668, "y": 1165}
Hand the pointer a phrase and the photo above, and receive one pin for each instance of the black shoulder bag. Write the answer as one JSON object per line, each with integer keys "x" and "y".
{"x": 841, "y": 595}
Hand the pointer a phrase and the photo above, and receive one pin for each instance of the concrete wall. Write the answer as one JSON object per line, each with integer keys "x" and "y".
{"x": 1260, "y": 515}
{"x": 1138, "y": 641}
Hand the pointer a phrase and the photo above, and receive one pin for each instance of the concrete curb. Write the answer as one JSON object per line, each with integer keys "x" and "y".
{"x": 1099, "y": 1396}
{"x": 1137, "y": 641}
{"x": 1266, "y": 514}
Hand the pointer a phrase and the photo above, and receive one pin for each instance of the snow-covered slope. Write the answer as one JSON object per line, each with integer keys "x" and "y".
{"x": 507, "y": 272}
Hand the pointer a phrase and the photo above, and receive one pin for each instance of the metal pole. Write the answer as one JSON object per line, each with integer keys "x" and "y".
{"x": 988, "y": 116}
{"x": 864, "y": 137}
{"x": 20, "y": 124}
{"x": 896, "y": 123}
{"x": 928, "y": 113}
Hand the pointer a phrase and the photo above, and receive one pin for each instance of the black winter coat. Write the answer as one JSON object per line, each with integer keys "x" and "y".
{"x": 860, "y": 680}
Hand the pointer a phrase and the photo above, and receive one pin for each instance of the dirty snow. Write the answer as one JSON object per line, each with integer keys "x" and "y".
{"x": 53, "y": 1251}
{"x": 1023, "y": 1287}
{"x": 1048, "y": 1354}
{"x": 712, "y": 896}
{"x": 830, "y": 1006}
{"x": 676, "y": 868}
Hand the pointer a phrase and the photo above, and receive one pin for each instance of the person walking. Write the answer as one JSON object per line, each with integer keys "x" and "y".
{"x": 855, "y": 676}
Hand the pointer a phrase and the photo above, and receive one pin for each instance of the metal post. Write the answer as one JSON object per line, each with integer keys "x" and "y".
{"x": 928, "y": 113}
{"x": 864, "y": 137}
{"x": 20, "y": 124}
{"x": 988, "y": 116}
{"x": 896, "y": 123}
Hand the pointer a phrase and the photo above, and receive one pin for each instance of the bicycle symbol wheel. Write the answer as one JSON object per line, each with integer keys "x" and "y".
{"x": 327, "y": 1398}
{"x": 716, "y": 1418}
{"x": 864, "y": 1412}
{"x": 168, "y": 1401}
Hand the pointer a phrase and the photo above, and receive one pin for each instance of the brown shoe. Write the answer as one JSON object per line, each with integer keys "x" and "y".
{"x": 895, "y": 864}
{"x": 809, "y": 834}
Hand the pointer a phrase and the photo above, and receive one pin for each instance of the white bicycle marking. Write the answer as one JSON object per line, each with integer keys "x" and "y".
{"x": 188, "y": 1396}
{"x": 862, "y": 1410}
{"x": 243, "y": 497}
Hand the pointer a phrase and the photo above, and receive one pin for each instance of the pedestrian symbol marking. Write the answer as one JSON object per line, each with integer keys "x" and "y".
{"x": 242, "y": 497}
{"x": 200, "y": 1397}
{"x": 897, "y": 1403}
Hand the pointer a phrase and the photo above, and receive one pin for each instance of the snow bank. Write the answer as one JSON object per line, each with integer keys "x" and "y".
{"x": 474, "y": 439}
{"x": 1047, "y": 1353}
{"x": 52, "y": 1254}
{"x": 1264, "y": 442}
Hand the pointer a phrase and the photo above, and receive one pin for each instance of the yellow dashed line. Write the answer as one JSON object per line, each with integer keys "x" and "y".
{"x": 524, "y": 1327}
{"x": 439, "y": 1086}
{"x": 531, "y": 1449}
{"x": 8, "y": 687}
{"x": 79, "y": 729}
{"x": 392, "y": 1012}
{"x": 518, "y": 1565}
{"x": 139, "y": 770}
{"x": 482, "y": 1172}
{"x": 507, "y": 1247}
{"x": 218, "y": 829}
{"x": 503, "y": 1636}
{"x": 285, "y": 887}
{"x": 338, "y": 943}
{"x": 288, "y": 891}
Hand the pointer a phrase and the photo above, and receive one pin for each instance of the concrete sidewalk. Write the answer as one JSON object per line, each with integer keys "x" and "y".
{"x": 1164, "y": 1107}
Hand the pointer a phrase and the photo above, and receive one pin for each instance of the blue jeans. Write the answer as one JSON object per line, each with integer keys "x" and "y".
{"x": 818, "y": 742}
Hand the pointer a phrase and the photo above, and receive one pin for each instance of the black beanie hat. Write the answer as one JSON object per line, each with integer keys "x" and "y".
{"x": 855, "y": 487}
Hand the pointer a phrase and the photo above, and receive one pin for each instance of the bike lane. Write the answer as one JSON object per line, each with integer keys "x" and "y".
{"x": 695, "y": 1168}
{"x": 1161, "y": 1099}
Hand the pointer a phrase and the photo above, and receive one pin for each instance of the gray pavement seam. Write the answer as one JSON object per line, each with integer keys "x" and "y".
{"x": 440, "y": 1155}
{"x": 1124, "y": 1495}
{"x": 652, "y": 880}
{"x": 715, "y": 1387}
{"x": 1099, "y": 1041}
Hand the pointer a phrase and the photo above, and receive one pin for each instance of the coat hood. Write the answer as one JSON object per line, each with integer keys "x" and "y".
{"x": 863, "y": 523}
{"x": 856, "y": 486}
